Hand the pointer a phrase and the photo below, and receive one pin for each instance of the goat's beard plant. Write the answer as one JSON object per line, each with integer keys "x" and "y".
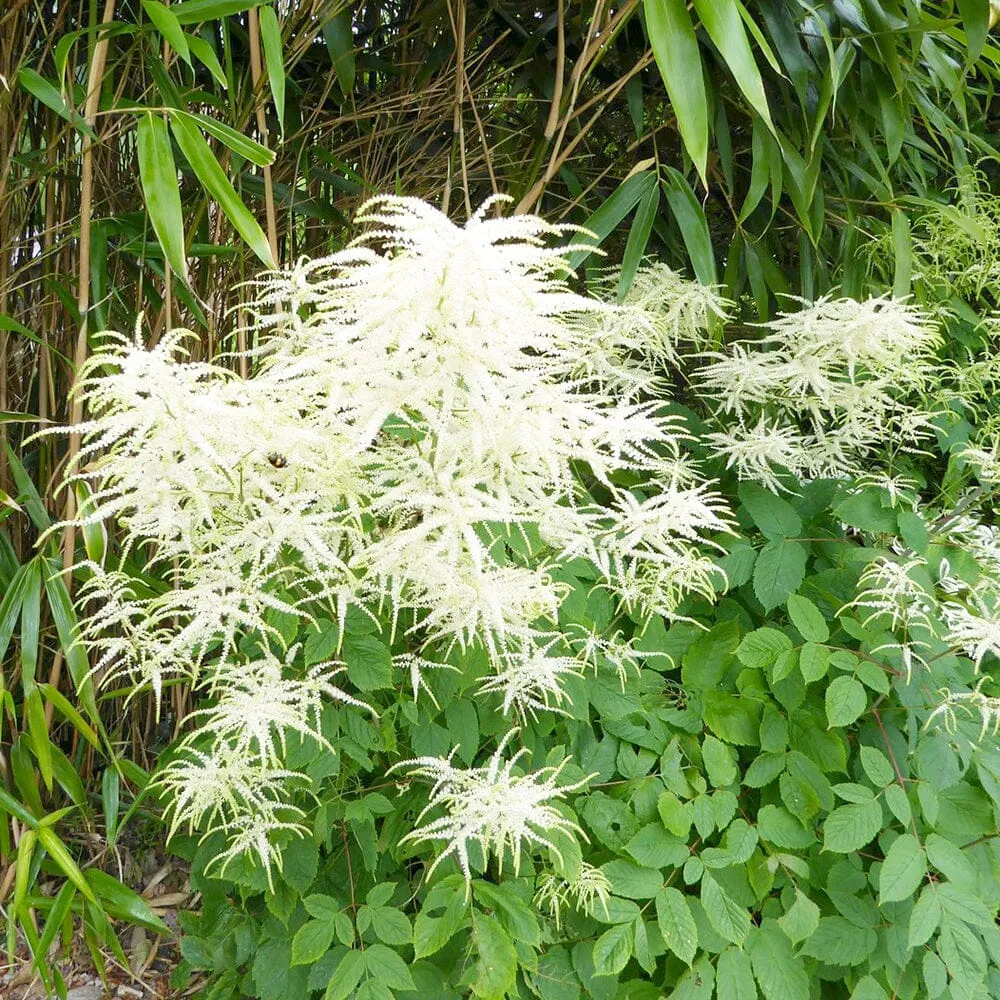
{"x": 453, "y": 508}
{"x": 438, "y": 433}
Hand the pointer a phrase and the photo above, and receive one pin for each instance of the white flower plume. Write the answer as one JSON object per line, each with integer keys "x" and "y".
{"x": 418, "y": 400}
{"x": 491, "y": 806}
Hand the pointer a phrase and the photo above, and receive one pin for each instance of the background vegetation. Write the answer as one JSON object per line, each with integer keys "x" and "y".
{"x": 156, "y": 156}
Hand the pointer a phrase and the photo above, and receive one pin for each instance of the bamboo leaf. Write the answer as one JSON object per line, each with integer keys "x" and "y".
{"x": 724, "y": 25}
{"x": 197, "y": 11}
{"x": 270, "y": 36}
{"x": 249, "y": 149}
{"x": 604, "y": 221}
{"x": 39, "y": 733}
{"x": 976, "y": 22}
{"x": 205, "y": 54}
{"x": 49, "y": 95}
{"x": 339, "y": 40}
{"x": 206, "y": 167}
{"x": 168, "y": 26}
{"x": 675, "y": 48}
{"x": 638, "y": 238}
{"x": 59, "y": 853}
{"x": 693, "y": 225}
{"x": 158, "y": 175}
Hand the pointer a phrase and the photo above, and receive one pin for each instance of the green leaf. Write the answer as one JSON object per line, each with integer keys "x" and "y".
{"x": 39, "y": 87}
{"x": 311, "y": 941}
{"x": 676, "y": 923}
{"x": 612, "y": 211}
{"x": 724, "y": 25}
{"x": 160, "y": 188}
{"x": 388, "y": 967}
{"x": 976, "y": 23}
{"x": 780, "y": 569}
{"x": 654, "y": 847}
{"x": 60, "y": 855}
{"x": 346, "y": 976}
{"x": 204, "y": 52}
{"x": 728, "y": 917}
{"x": 845, "y": 701}
{"x": 168, "y": 26}
{"x": 270, "y": 36}
{"x": 339, "y": 40}
{"x": 848, "y": 828}
{"x": 248, "y": 148}
{"x": 903, "y": 869}
{"x": 720, "y": 762}
{"x": 898, "y": 803}
{"x": 775, "y": 517}
{"x": 814, "y": 662}
{"x": 760, "y": 648}
{"x": 733, "y": 718}
{"x": 124, "y": 903}
{"x": 925, "y": 917}
{"x": 876, "y": 765}
{"x": 801, "y": 919}
{"x": 675, "y": 48}
{"x": 808, "y": 619}
{"x": 734, "y": 976}
{"x": 207, "y": 169}
{"x": 496, "y": 969}
{"x": 369, "y": 662}
{"x": 839, "y": 942}
{"x": 391, "y": 926}
{"x": 638, "y": 238}
{"x": 39, "y": 733}
{"x": 632, "y": 881}
{"x": 198, "y": 11}
{"x": 693, "y": 225}
{"x": 780, "y": 974}
{"x": 964, "y": 957}
{"x": 612, "y": 950}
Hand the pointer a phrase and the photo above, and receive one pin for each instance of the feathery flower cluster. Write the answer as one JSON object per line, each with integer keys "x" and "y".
{"x": 890, "y": 589}
{"x": 417, "y": 398}
{"x": 970, "y": 703}
{"x": 824, "y": 389}
{"x": 492, "y": 807}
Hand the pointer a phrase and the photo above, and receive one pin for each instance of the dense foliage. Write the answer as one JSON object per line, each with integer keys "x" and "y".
{"x": 517, "y": 627}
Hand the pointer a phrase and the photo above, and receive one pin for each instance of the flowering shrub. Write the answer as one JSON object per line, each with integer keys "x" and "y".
{"x": 544, "y": 648}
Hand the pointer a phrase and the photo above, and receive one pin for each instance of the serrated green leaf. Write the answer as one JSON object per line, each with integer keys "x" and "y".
{"x": 876, "y": 765}
{"x": 761, "y": 647}
{"x": 801, "y": 919}
{"x": 346, "y": 976}
{"x": 808, "y": 619}
{"x": 728, "y": 917}
{"x": 778, "y": 572}
{"x": 311, "y": 941}
{"x": 845, "y": 701}
{"x": 837, "y": 941}
{"x": 848, "y": 828}
{"x": 734, "y": 976}
{"x": 780, "y": 974}
{"x": 925, "y": 917}
{"x": 775, "y": 517}
{"x": 496, "y": 968}
{"x": 903, "y": 869}
{"x": 676, "y": 923}
{"x": 613, "y": 949}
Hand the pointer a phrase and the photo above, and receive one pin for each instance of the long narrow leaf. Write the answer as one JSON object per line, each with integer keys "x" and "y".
{"x": 160, "y": 187}
{"x": 217, "y": 184}
{"x": 675, "y": 48}
{"x": 724, "y": 25}
{"x": 270, "y": 36}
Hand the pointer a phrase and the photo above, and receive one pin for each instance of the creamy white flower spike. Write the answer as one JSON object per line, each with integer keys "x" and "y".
{"x": 492, "y": 806}
{"x": 417, "y": 400}
{"x": 824, "y": 390}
